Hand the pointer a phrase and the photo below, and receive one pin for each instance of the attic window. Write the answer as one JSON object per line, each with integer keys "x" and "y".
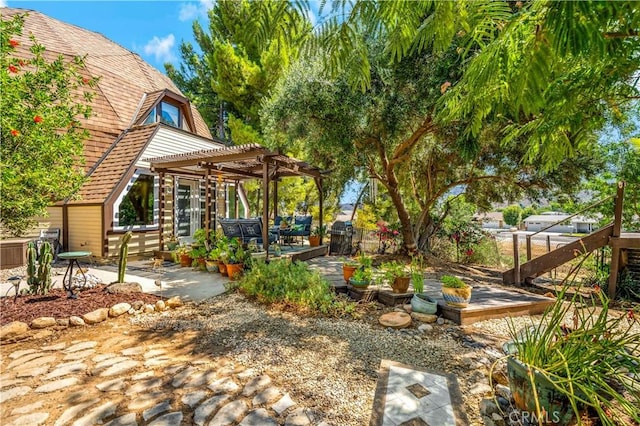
{"x": 166, "y": 113}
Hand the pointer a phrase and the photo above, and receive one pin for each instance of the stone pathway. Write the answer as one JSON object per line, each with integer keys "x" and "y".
{"x": 409, "y": 396}
{"x": 121, "y": 381}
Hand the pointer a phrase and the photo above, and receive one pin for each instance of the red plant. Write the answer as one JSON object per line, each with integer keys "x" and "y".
{"x": 14, "y": 43}
{"x": 13, "y": 69}
{"x": 14, "y": 132}
{"x": 37, "y": 119}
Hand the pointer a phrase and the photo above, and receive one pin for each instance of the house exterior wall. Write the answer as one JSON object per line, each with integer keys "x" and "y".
{"x": 85, "y": 229}
{"x": 168, "y": 141}
{"x": 141, "y": 244}
{"x": 536, "y": 226}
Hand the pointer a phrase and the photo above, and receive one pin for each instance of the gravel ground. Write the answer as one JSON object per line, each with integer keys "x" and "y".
{"x": 330, "y": 364}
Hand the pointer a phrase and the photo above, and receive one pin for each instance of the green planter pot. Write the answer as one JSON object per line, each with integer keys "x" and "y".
{"x": 423, "y": 304}
{"x": 552, "y": 402}
{"x": 359, "y": 283}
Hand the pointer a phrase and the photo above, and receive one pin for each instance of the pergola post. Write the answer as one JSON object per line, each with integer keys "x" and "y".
{"x": 235, "y": 198}
{"x": 275, "y": 198}
{"x": 265, "y": 204}
{"x": 207, "y": 203}
{"x": 161, "y": 202}
{"x": 615, "y": 251}
{"x": 321, "y": 198}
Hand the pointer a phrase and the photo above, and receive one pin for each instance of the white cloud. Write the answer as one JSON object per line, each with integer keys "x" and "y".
{"x": 3, "y": 3}
{"x": 190, "y": 11}
{"x": 161, "y": 48}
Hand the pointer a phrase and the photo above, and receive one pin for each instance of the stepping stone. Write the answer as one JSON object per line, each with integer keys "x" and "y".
{"x": 7, "y": 383}
{"x": 200, "y": 378}
{"x": 21, "y": 353}
{"x": 224, "y": 385}
{"x": 33, "y": 419}
{"x": 31, "y": 360}
{"x": 268, "y": 395}
{"x": 256, "y": 384}
{"x": 66, "y": 370}
{"x": 230, "y": 413}
{"x": 170, "y": 419}
{"x": 11, "y": 393}
{"x": 27, "y": 408}
{"x": 57, "y": 385}
{"x": 160, "y": 408}
{"x": 101, "y": 357}
{"x": 73, "y": 411}
{"x": 395, "y": 320}
{"x": 120, "y": 368}
{"x": 143, "y": 375}
{"x": 192, "y": 399}
{"x": 259, "y": 417}
{"x": 137, "y": 350}
{"x": 283, "y": 404}
{"x": 155, "y": 362}
{"x": 79, "y": 355}
{"x": 171, "y": 371}
{"x": 182, "y": 377}
{"x": 249, "y": 372}
{"x": 57, "y": 347}
{"x": 297, "y": 418}
{"x": 126, "y": 420}
{"x": 105, "y": 363}
{"x": 146, "y": 400}
{"x": 81, "y": 346}
{"x": 205, "y": 409}
{"x": 111, "y": 385}
{"x": 154, "y": 353}
{"x": 98, "y": 414}
{"x": 33, "y": 372}
{"x": 144, "y": 385}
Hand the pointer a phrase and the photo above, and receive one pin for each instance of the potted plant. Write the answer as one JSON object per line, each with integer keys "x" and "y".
{"x": 235, "y": 259}
{"x": 361, "y": 277}
{"x": 181, "y": 255}
{"x": 212, "y": 260}
{"x": 318, "y": 233}
{"x": 396, "y": 276}
{"x": 558, "y": 371}
{"x": 222, "y": 247}
{"x": 172, "y": 243}
{"x": 420, "y": 302}
{"x": 455, "y": 291}
{"x": 349, "y": 266}
{"x": 198, "y": 254}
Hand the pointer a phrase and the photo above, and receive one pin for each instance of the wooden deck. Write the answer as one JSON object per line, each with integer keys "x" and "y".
{"x": 488, "y": 303}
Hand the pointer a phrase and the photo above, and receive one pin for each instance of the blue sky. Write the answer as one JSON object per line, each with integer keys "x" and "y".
{"x": 153, "y": 29}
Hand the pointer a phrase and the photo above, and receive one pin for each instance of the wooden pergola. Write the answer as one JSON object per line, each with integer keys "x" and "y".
{"x": 235, "y": 164}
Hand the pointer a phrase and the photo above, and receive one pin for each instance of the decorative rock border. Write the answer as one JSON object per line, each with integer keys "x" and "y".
{"x": 18, "y": 330}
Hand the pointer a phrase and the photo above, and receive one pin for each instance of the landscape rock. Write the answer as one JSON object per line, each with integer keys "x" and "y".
{"x": 148, "y": 308}
{"x": 395, "y": 320}
{"x": 504, "y": 391}
{"x": 488, "y": 407}
{"x": 160, "y": 305}
{"x": 97, "y": 316}
{"x": 425, "y": 328}
{"x": 124, "y": 288}
{"x": 137, "y": 305}
{"x": 174, "y": 302}
{"x": 427, "y": 318}
{"x": 43, "y": 322}
{"x": 407, "y": 308}
{"x": 62, "y": 322}
{"x": 13, "y": 330}
{"x": 76, "y": 321}
{"x": 119, "y": 309}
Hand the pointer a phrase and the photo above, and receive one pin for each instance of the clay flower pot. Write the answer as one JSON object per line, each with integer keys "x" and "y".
{"x": 234, "y": 270}
{"x": 457, "y": 297}
{"x": 400, "y": 284}
{"x": 222, "y": 267}
{"x": 185, "y": 260}
{"x": 347, "y": 271}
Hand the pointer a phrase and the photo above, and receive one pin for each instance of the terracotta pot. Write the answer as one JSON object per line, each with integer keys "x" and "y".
{"x": 234, "y": 270}
{"x": 457, "y": 297}
{"x": 222, "y": 267}
{"x": 347, "y": 271}
{"x": 314, "y": 240}
{"x": 401, "y": 284}
{"x": 185, "y": 260}
{"x": 202, "y": 263}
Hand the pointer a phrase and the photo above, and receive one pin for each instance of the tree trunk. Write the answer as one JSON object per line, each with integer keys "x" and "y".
{"x": 403, "y": 216}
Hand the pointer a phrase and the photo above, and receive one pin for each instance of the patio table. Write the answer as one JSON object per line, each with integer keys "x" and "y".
{"x": 72, "y": 257}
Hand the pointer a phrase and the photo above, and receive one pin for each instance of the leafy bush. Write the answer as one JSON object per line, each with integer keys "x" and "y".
{"x": 452, "y": 282}
{"x": 512, "y": 215}
{"x": 292, "y": 284}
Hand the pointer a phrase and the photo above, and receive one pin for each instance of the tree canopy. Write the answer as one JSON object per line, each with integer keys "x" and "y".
{"x": 41, "y": 138}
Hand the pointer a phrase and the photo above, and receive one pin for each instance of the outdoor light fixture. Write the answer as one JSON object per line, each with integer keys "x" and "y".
{"x": 15, "y": 282}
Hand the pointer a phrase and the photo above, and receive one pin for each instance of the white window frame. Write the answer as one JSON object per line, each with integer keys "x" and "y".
{"x": 156, "y": 204}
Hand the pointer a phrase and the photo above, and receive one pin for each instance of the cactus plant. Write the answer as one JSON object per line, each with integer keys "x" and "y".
{"x": 44, "y": 268}
{"x": 32, "y": 270}
{"x": 124, "y": 250}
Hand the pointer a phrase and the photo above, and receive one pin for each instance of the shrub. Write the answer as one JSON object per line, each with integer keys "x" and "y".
{"x": 292, "y": 284}
{"x": 452, "y": 282}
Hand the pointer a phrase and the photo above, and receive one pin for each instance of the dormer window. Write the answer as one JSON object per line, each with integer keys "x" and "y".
{"x": 166, "y": 113}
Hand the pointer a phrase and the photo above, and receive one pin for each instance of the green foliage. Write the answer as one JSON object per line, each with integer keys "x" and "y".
{"x": 591, "y": 361}
{"x": 393, "y": 270}
{"x": 320, "y": 231}
{"x": 39, "y": 272}
{"x": 512, "y": 215}
{"x": 417, "y": 267}
{"x": 122, "y": 257}
{"x": 362, "y": 274}
{"x": 452, "y": 282}
{"x": 42, "y": 138}
{"x": 292, "y": 284}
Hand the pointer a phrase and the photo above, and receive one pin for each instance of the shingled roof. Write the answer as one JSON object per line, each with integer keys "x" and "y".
{"x": 124, "y": 78}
